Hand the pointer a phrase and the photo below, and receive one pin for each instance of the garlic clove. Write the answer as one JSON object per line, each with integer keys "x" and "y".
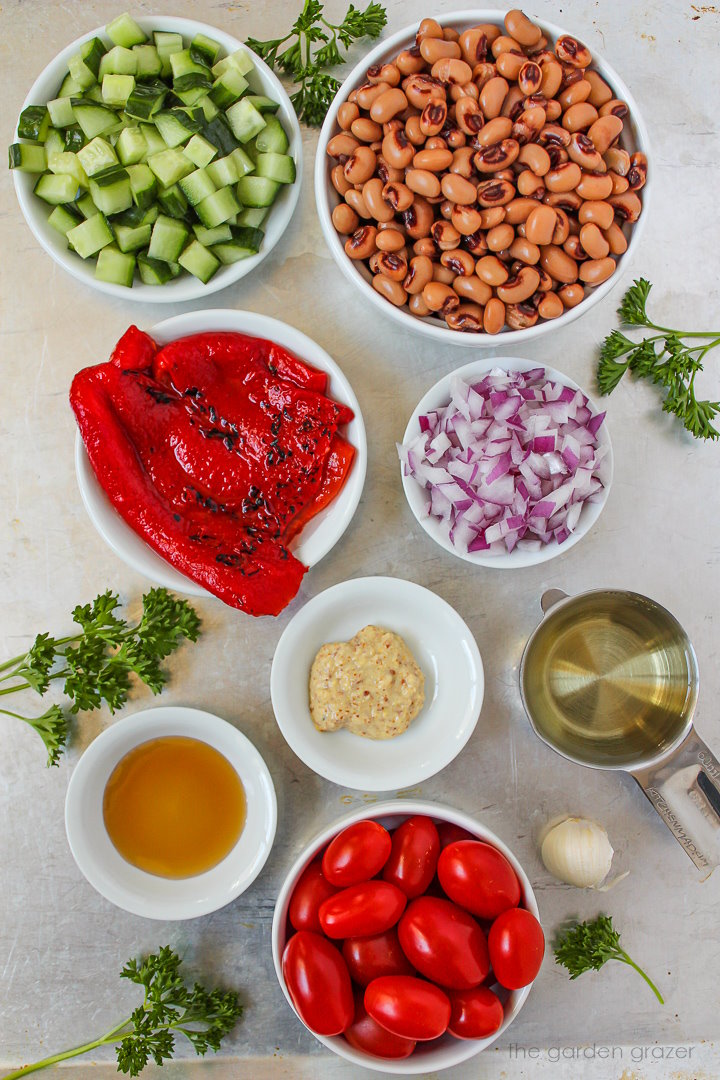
{"x": 578, "y": 852}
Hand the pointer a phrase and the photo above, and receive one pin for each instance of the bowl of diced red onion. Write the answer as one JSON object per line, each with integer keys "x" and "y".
{"x": 506, "y": 463}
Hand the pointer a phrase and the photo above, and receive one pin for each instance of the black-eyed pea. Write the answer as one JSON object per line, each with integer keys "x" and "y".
{"x": 397, "y": 150}
{"x": 368, "y": 92}
{"x": 627, "y": 206}
{"x": 337, "y": 178}
{"x": 564, "y": 178}
{"x": 619, "y": 183}
{"x": 432, "y": 49}
{"x": 450, "y": 34}
{"x": 426, "y": 246}
{"x": 594, "y": 187}
{"x": 345, "y": 219}
{"x": 593, "y": 241}
{"x": 422, "y": 182}
{"x": 519, "y": 210}
{"x": 454, "y": 137}
{"x": 504, "y": 43}
{"x": 617, "y": 160}
{"x": 469, "y": 90}
{"x": 528, "y": 125}
{"x": 434, "y": 160}
{"x": 398, "y": 195}
{"x": 451, "y": 71}
{"x": 521, "y": 316}
{"x": 597, "y": 213}
{"x": 510, "y": 64}
{"x": 558, "y": 264}
{"x": 570, "y": 51}
{"x": 466, "y": 219}
{"x": 571, "y": 295}
{"x": 553, "y": 135}
{"x": 342, "y": 146}
{"x": 492, "y": 216}
{"x": 553, "y": 110}
{"x": 419, "y": 273}
{"x": 521, "y": 28}
{"x": 418, "y": 218}
{"x": 604, "y": 131}
{"x": 580, "y": 117}
{"x": 473, "y": 46}
{"x": 493, "y": 316}
{"x": 551, "y": 78}
{"x": 498, "y": 157}
{"x": 525, "y": 251}
{"x": 372, "y": 193}
{"x": 460, "y": 262}
{"x": 500, "y": 237}
{"x": 445, "y": 235}
{"x": 428, "y": 28}
{"x": 389, "y": 73}
{"x": 392, "y": 265}
{"x": 417, "y": 305}
{"x": 443, "y": 274}
{"x": 600, "y": 92}
{"x": 574, "y": 94}
{"x": 558, "y": 156}
{"x": 360, "y": 166}
{"x": 617, "y": 241}
{"x": 595, "y": 271}
{"x": 530, "y": 77}
{"x": 550, "y": 306}
{"x": 361, "y": 244}
{"x": 582, "y": 151}
{"x": 574, "y": 248}
{"x": 365, "y": 130}
{"x": 446, "y": 209}
{"x": 409, "y": 62}
{"x": 476, "y": 244}
{"x": 458, "y": 190}
{"x": 354, "y": 199}
{"x": 422, "y": 88}
{"x": 546, "y": 282}
{"x": 387, "y": 105}
{"x": 390, "y": 240}
{"x": 413, "y": 131}
{"x": 491, "y": 270}
{"x": 614, "y": 107}
{"x": 495, "y": 193}
{"x": 387, "y": 173}
{"x": 535, "y": 157}
{"x": 568, "y": 201}
{"x": 492, "y": 98}
{"x": 529, "y": 185}
{"x": 520, "y": 287}
{"x": 468, "y": 115}
{"x": 373, "y": 262}
{"x": 562, "y": 226}
{"x": 390, "y": 289}
{"x": 473, "y": 289}
{"x": 347, "y": 114}
{"x": 467, "y": 319}
{"x": 637, "y": 174}
{"x": 440, "y": 297}
{"x": 433, "y": 117}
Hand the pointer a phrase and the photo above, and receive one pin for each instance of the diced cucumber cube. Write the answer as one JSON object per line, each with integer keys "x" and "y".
{"x": 153, "y": 139}
{"x": 168, "y": 239}
{"x": 74, "y": 139}
{"x": 131, "y": 238}
{"x": 94, "y": 119}
{"x": 125, "y": 31}
{"x": 111, "y": 191}
{"x": 55, "y": 142}
{"x": 34, "y": 123}
{"x": 146, "y": 99}
{"x": 61, "y": 112}
{"x": 143, "y": 185}
{"x": 96, "y": 156}
{"x": 241, "y": 60}
{"x": 245, "y": 120}
{"x": 200, "y": 151}
{"x": 148, "y": 61}
{"x": 244, "y": 164}
{"x": 68, "y": 164}
{"x": 187, "y": 74}
{"x": 118, "y": 61}
{"x": 196, "y": 186}
{"x": 28, "y": 157}
{"x": 244, "y": 243}
{"x": 63, "y": 219}
{"x": 131, "y": 146}
{"x": 272, "y": 139}
{"x": 69, "y": 88}
{"x": 198, "y": 261}
{"x": 115, "y": 266}
{"x": 175, "y": 126}
{"x": 252, "y": 216}
{"x": 209, "y": 108}
{"x": 228, "y": 88}
{"x": 167, "y": 44}
{"x": 86, "y": 206}
{"x": 204, "y": 49}
{"x": 80, "y": 72}
{"x": 208, "y": 237}
{"x": 217, "y": 208}
{"x": 279, "y": 167}
{"x": 169, "y": 166}
{"x": 90, "y": 236}
{"x": 263, "y": 104}
{"x": 223, "y": 171}
{"x": 153, "y": 271}
{"x": 173, "y": 201}
{"x": 116, "y": 89}
{"x": 257, "y": 190}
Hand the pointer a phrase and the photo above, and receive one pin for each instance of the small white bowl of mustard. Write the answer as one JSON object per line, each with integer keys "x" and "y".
{"x": 171, "y": 813}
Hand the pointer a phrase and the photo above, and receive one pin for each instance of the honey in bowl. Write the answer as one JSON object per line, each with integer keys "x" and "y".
{"x": 174, "y": 807}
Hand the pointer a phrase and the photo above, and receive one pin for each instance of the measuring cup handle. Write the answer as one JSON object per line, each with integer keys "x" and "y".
{"x": 550, "y": 598}
{"x": 685, "y": 791}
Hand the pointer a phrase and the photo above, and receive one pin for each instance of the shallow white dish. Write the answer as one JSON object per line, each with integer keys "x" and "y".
{"x": 135, "y": 890}
{"x": 448, "y": 1051}
{"x": 442, "y": 645}
{"x": 357, "y": 274}
{"x": 318, "y": 536}
{"x": 438, "y": 396}
{"x": 186, "y": 287}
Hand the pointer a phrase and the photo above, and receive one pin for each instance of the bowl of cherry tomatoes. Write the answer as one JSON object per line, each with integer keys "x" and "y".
{"x": 407, "y": 939}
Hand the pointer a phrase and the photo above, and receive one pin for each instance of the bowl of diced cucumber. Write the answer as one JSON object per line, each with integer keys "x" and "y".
{"x": 157, "y": 159}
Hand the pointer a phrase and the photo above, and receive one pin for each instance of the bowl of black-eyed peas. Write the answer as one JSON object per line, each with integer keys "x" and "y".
{"x": 482, "y": 174}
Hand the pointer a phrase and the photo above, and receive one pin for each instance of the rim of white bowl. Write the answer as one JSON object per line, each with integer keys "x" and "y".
{"x": 345, "y": 776}
{"x": 134, "y": 551}
{"x": 439, "y": 395}
{"x": 422, "y": 1062}
{"x": 185, "y": 287}
{"x": 181, "y": 898}
{"x": 434, "y": 330}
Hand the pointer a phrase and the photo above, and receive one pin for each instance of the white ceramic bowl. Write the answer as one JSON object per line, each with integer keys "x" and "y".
{"x": 135, "y": 890}
{"x": 449, "y": 1051}
{"x": 186, "y": 287}
{"x": 358, "y": 274}
{"x": 442, "y": 645}
{"x": 437, "y": 397}
{"x": 318, "y": 536}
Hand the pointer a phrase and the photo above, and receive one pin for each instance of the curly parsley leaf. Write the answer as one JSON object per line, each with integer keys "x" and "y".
{"x": 587, "y": 946}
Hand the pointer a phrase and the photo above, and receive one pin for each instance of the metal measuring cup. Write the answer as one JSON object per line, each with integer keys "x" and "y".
{"x": 680, "y": 775}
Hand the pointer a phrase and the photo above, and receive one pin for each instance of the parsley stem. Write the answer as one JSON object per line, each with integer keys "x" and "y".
{"x": 627, "y": 960}
{"x": 17, "y": 716}
{"x": 12, "y": 689}
{"x": 108, "y": 1037}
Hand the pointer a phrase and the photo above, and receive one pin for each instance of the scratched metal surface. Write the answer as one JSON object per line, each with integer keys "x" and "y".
{"x": 60, "y": 943}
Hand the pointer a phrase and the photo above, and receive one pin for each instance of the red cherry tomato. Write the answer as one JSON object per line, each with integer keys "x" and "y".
{"x": 409, "y": 1007}
{"x": 368, "y": 958}
{"x": 476, "y": 1013}
{"x": 517, "y": 946}
{"x": 356, "y": 854}
{"x": 318, "y": 983}
{"x": 444, "y": 943}
{"x": 414, "y": 855}
{"x": 450, "y": 834}
{"x": 479, "y": 878}
{"x": 366, "y": 1034}
{"x": 312, "y": 888}
{"x": 362, "y": 910}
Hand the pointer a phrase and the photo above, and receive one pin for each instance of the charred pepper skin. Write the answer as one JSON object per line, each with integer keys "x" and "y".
{"x": 216, "y": 449}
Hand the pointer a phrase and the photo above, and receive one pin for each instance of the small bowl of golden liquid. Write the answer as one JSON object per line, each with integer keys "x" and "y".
{"x": 171, "y": 813}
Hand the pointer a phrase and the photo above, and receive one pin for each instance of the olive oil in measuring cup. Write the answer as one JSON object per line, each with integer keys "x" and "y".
{"x": 609, "y": 678}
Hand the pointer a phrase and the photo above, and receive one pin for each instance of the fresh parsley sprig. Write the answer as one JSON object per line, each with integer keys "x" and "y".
{"x": 96, "y": 664}
{"x": 587, "y": 946}
{"x": 306, "y": 63}
{"x": 169, "y": 1007}
{"x": 666, "y": 358}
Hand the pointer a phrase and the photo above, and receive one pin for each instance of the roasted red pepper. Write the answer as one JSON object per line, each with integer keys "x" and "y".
{"x": 217, "y": 449}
